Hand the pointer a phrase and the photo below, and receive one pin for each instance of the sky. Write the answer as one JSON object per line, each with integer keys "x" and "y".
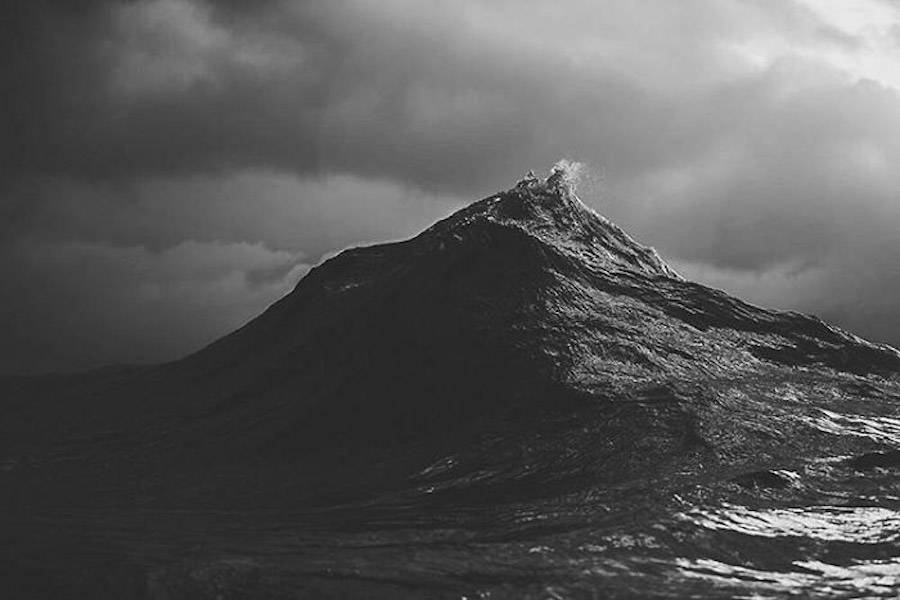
{"x": 169, "y": 168}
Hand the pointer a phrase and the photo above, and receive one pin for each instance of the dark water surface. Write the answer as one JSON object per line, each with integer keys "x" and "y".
{"x": 829, "y": 530}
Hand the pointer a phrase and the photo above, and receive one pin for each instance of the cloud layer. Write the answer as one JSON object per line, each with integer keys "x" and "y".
{"x": 168, "y": 158}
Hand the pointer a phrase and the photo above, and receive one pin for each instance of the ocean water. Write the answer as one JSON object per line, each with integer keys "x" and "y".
{"x": 827, "y": 530}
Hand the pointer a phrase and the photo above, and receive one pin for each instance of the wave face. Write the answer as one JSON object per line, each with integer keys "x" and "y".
{"x": 520, "y": 402}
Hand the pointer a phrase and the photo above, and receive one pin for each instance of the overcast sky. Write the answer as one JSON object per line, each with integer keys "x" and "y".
{"x": 168, "y": 168}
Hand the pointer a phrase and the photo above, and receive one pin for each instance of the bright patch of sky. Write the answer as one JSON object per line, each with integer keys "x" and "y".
{"x": 872, "y": 28}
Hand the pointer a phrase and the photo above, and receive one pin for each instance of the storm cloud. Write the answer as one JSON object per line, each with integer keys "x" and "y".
{"x": 170, "y": 167}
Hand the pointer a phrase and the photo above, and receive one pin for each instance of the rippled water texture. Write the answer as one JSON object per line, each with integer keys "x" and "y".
{"x": 834, "y": 535}
{"x": 726, "y": 551}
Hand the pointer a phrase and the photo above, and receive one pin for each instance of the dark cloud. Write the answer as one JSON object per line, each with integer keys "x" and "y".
{"x": 283, "y": 211}
{"x": 89, "y": 303}
{"x": 152, "y": 270}
{"x": 442, "y": 95}
{"x": 751, "y": 141}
